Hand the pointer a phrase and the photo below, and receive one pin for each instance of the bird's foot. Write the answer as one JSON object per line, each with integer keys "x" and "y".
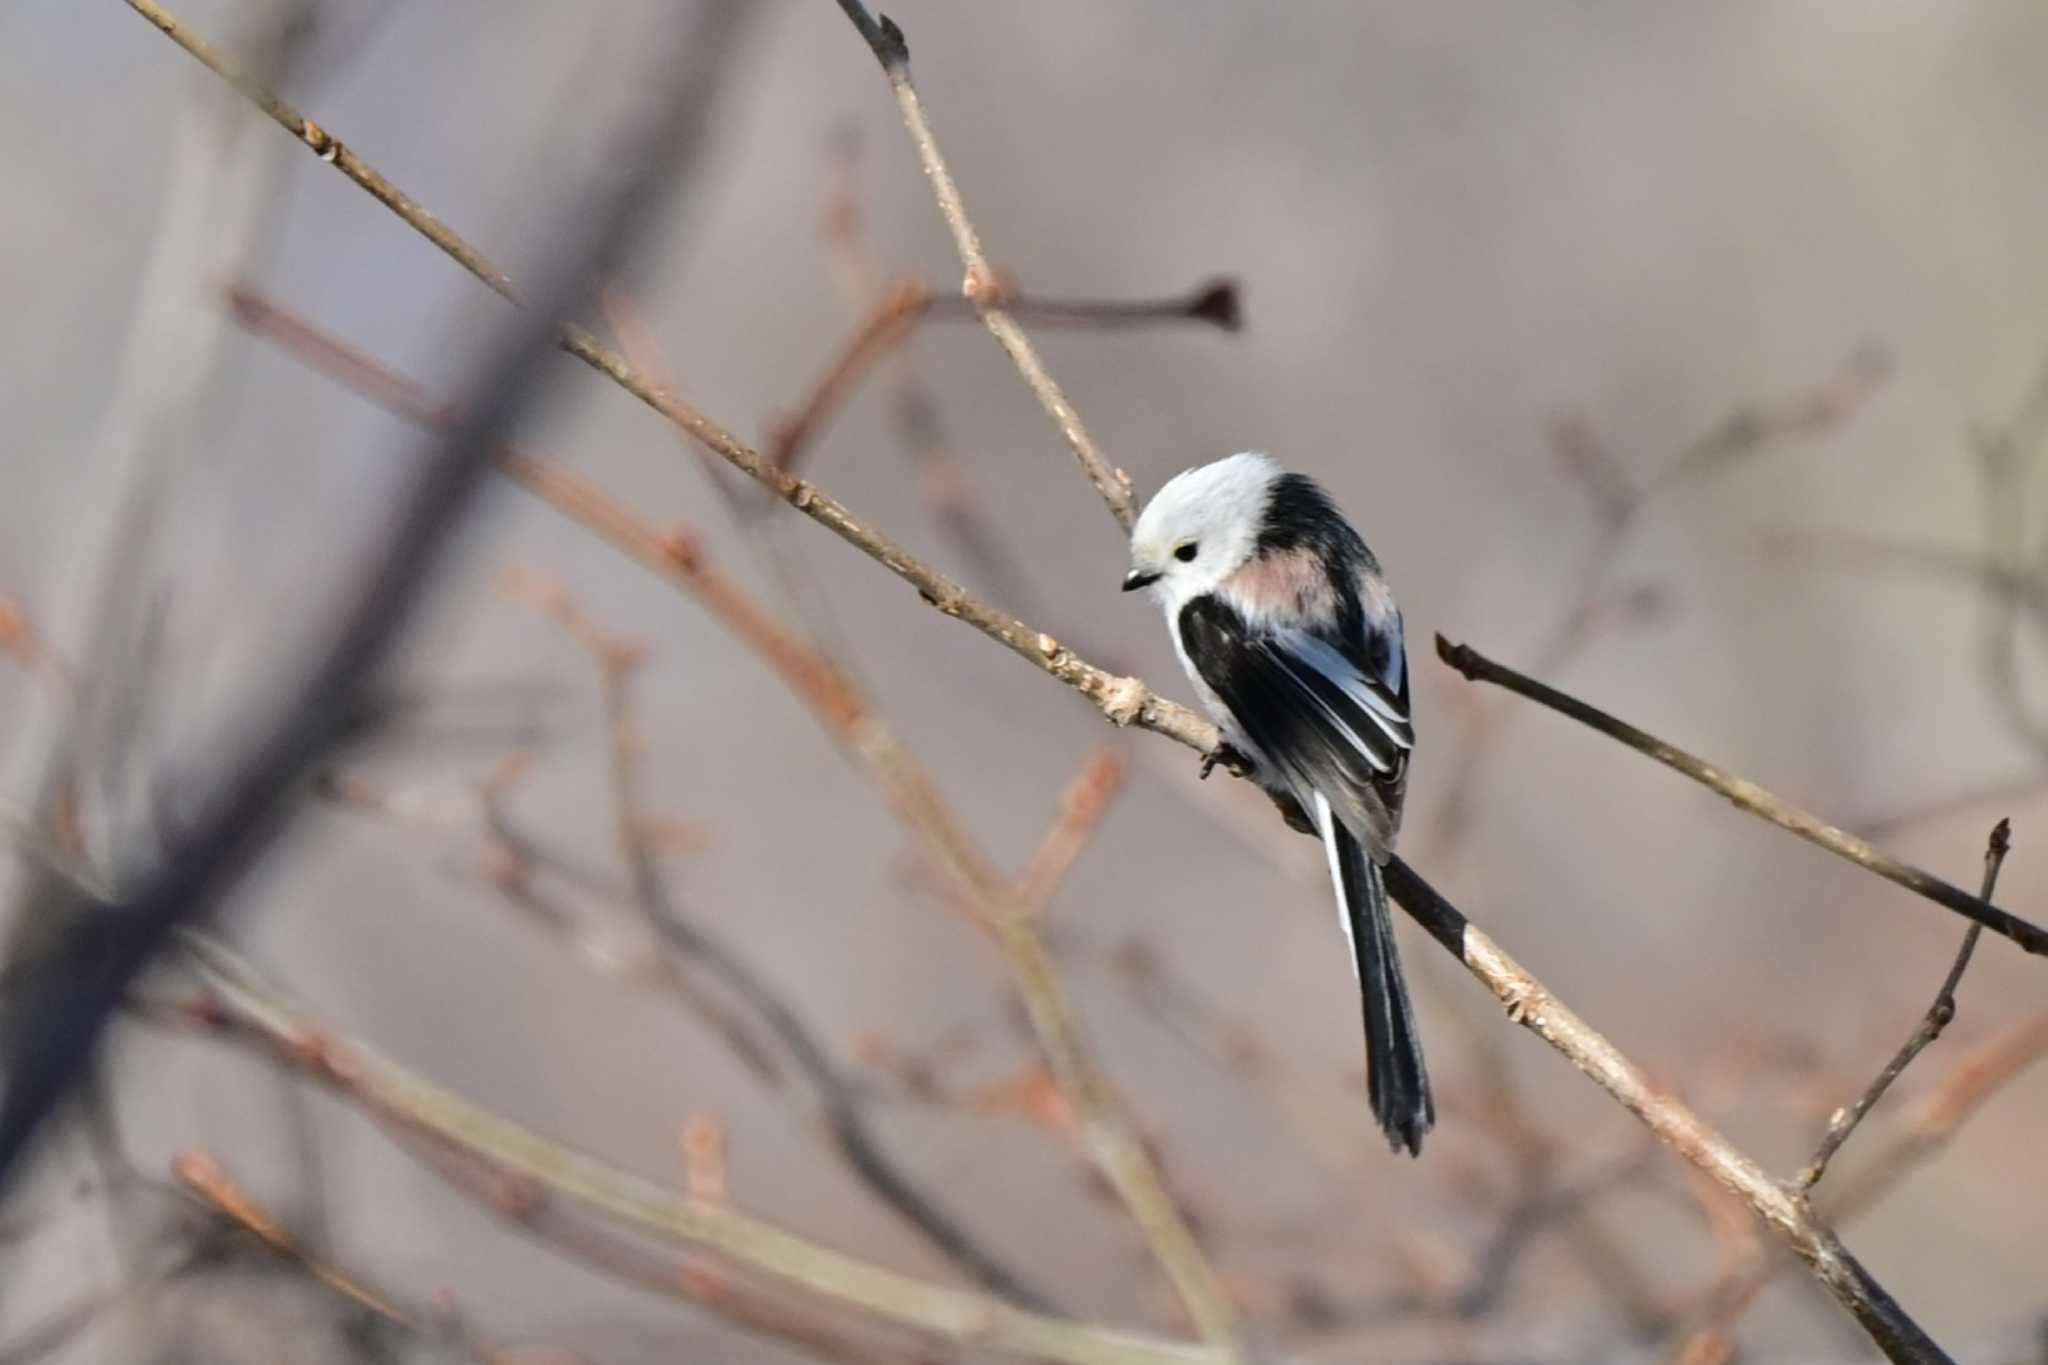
{"x": 1227, "y": 754}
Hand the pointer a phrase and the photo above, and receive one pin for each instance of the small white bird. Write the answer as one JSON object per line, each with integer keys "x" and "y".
{"x": 1292, "y": 639}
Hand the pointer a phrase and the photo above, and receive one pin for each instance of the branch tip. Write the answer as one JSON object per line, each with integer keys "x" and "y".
{"x": 883, "y": 36}
{"x": 1219, "y": 303}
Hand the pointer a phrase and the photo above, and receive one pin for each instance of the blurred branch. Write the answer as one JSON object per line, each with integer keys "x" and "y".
{"x": 22, "y": 642}
{"x": 903, "y": 305}
{"x": 57, "y": 1028}
{"x": 2011, "y": 791}
{"x": 387, "y": 1091}
{"x": 1978, "y": 1076}
{"x": 202, "y": 1175}
{"x": 63, "y": 1325}
{"x": 1844, "y": 1121}
{"x": 1085, "y": 801}
{"x": 576, "y": 1233}
{"x": 2011, "y": 579}
{"x": 1749, "y": 797}
{"x": 982, "y": 287}
{"x": 1619, "y": 503}
{"x": 1545, "y": 1206}
{"x": 891, "y": 320}
{"x": 845, "y": 1113}
{"x": 944, "y": 480}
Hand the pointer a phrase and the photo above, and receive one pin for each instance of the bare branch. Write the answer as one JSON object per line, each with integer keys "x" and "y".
{"x": 1843, "y": 1122}
{"x": 1747, "y": 796}
{"x": 845, "y": 1115}
{"x": 389, "y": 1092}
{"x": 1216, "y": 303}
{"x": 1530, "y": 1004}
{"x": 888, "y": 323}
{"x": 1933, "y": 1121}
{"x": 1082, "y": 805}
{"x": 1978, "y": 1076}
{"x": 203, "y": 1176}
{"x": 982, "y": 287}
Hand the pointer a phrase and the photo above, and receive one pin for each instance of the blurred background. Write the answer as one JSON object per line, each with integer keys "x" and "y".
{"x": 1689, "y": 358}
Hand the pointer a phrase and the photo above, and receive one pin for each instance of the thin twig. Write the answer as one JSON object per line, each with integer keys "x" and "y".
{"x": 1980, "y": 1074}
{"x": 1530, "y": 1004}
{"x": 383, "y": 1088}
{"x": 891, "y": 320}
{"x": 1748, "y": 796}
{"x": 201, "y": 1174}
{"x": 982, "y": 287}
{"x": 1082, "y": 805}
{"x": 1843, "y": 1121}
{"x": 944, "y": 480}
{"x": 623, "y": 1256}
{"x": 1216, "y": 303}
{"x": 1977, "y": 1077}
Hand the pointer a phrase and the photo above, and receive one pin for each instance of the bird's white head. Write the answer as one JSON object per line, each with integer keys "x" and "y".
{"x": 1200, "y": 527}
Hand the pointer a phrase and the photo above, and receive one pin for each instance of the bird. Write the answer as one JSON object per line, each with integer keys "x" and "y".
{"x": 1292, "y": 639}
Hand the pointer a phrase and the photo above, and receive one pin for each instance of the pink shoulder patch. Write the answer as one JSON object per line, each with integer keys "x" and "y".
{"x": 1376, "y": 598}
{"x": 1287, "y": 585}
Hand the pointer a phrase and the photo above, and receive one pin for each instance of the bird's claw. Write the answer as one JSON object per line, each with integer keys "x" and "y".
{"x": 1226, "y": 754}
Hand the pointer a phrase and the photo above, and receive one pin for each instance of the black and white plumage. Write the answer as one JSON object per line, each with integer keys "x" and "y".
{"x": 1293, "y": 641}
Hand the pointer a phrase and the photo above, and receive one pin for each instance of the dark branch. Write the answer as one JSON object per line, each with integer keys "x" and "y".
{"x": 1216, "y": 302}
{"x": 1749, "y": 797}
{"x": 882, "y": 36}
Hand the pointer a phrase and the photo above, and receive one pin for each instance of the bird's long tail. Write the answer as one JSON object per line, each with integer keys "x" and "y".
{"x": 1396, "y": 1079}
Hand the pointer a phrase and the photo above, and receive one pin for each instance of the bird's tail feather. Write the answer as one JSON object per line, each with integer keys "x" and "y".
{"x": 1396, "y": 1080}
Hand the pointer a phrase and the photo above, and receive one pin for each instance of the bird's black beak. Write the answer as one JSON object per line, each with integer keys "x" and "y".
{"x": 1138, "y": 578}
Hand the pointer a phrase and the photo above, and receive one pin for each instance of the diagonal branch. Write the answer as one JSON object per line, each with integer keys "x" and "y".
{"x": 1748, "y": 796}
{"x": 1530, "y": 1004}
{"x": 843, "y": 1110}
{"x": 389, "y": 1092}
{"x": 982, "y": 287}
{"x": 1125, "y": 701}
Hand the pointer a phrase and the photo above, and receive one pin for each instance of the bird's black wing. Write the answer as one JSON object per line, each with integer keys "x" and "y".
{"x": 1329, "y": 720}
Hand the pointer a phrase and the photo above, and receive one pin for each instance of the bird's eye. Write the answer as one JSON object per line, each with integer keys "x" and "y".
{"x": 1184, "y": 553}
